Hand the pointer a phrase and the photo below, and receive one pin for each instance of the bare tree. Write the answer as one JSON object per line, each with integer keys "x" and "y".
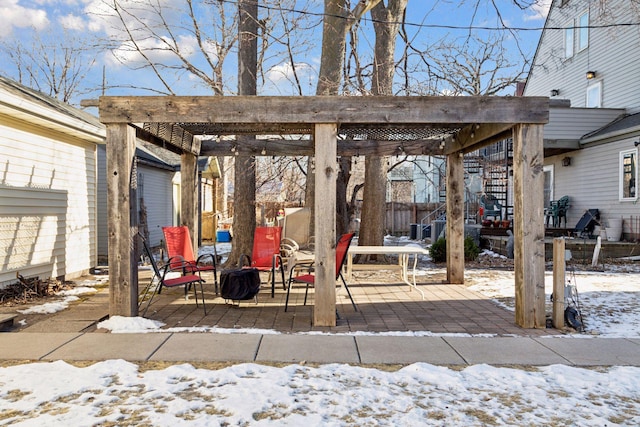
{"x": 282, "y": 175}
{"x": 173, "y": 38}
{"x": 338, "y": 21}
{"x": 471, "y": 66}
{"x": 386, "y": 25}
{"x": 244, "y": 217}
{"x": 55, "y": 64}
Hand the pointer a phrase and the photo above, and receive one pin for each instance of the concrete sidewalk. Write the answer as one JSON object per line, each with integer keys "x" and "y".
{"x": 296, "y": 348}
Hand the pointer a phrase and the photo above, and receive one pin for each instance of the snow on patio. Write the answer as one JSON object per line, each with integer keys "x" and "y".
{"x": 120, "y": 393}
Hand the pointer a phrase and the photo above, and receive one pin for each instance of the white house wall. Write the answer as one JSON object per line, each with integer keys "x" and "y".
{"x": 47, "y": 202}
{"x": 613, "y": 53}
{"x": 571, "y": 124}
{"x": 592, "y": 185}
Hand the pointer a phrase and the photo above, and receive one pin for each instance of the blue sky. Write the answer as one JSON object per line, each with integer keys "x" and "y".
{"x": 91, "y": 22}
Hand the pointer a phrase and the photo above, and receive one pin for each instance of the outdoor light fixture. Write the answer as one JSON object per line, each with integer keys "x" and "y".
{"x": 635, "y": 144}
{"x": 591, "y": 75}
{"x": 556, "y": 92}
{"x": 566, "y": 161}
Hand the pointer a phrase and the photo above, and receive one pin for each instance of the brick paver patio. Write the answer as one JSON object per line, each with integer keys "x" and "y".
{"x": 385, "y": 304}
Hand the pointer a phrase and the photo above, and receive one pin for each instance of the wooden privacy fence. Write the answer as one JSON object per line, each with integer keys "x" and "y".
{"x": 400, "y": 216}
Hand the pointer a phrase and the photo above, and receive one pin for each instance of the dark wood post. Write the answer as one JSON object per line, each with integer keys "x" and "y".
{"x": 455, "y": 218}
{"x": 528, "y": 225}
{"x": 122, "y": 220}
{"x": 324, "y": 311}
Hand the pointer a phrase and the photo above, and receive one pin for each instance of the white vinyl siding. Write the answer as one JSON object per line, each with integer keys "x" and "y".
{"x": 48, "y": 207}
{"x": 613, "y": 53}
{"x": 592, "y": 181}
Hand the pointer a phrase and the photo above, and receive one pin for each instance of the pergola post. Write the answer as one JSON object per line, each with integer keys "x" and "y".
{"x": 528, "y": 225}
{"x": 455, "y": 218}
{"x": 189, "y": 195}
{"x": 122, "y": 220}
{"x": 326, "y": 170}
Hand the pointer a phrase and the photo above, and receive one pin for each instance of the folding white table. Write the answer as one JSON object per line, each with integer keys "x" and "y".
{"x": 403, "y": 252}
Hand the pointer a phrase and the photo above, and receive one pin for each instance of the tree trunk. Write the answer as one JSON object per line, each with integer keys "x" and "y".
{"x": 337, "y": 22}
{"x": 386, "y": 25}
{"x": 244, "y": 194}
{"x": 334, "y": 42}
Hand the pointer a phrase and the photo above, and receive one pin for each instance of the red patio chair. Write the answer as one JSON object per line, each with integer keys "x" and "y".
{"x": 160, "y": 275}
{"x": 265, "y": 255}
{"x": 342, "y": 247}
{"x": 179, "y": 248}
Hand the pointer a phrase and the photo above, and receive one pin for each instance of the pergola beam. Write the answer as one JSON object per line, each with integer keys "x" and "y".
{"x": 476, "y": 136}
{"x": 305, "y": 147}
{"x": 383, "y": 110}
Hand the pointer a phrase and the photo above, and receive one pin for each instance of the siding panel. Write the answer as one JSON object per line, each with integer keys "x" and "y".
{"x": 48, "y": 202}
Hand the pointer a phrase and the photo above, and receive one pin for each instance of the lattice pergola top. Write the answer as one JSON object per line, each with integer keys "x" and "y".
{"x": 366, "y": 125}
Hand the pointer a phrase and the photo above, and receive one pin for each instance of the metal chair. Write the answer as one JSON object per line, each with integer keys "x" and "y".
{"x": 179, "y": 249}
{"x": 490, "y": 207}
{"x": 160, "y": 275}
{"x": 265, "y": 255}
{"x": 342, "y": 247}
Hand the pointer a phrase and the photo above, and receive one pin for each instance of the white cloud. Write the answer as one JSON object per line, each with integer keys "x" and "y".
{"x": 540, "y": 10}
{"x": 284, "y": 72}
{"x": 157, "y": 51}
{"x": 16, "y": 16}
{"x": 72, "y": 22}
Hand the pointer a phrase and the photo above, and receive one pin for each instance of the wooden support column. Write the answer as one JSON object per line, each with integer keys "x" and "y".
{"x": 455, "y": 218}
{"x": 189, "y": 195}
{"x": 528, "y": 225}
{"x": 326, "y": 171}
{"x": 558, "y": 282}
{"x": 122, "y": 220}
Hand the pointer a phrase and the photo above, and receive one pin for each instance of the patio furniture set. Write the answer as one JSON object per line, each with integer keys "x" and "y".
{"x": 272, "y": 253}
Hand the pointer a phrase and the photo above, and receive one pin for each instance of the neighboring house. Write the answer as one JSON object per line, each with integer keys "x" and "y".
{"x": 158, "y": 195}
{"x": 48, "y": 186}
{"x": 158, "y": 188}
{"x": 591, "y": 147}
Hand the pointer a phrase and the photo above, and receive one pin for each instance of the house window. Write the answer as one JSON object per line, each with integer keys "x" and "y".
{"x": 583, "y": 31}
{"x": 548, "y": 184}
{"x": 629, "y": 175}
{"x": 594, "y": 95}
{"x": 568, "y": 43}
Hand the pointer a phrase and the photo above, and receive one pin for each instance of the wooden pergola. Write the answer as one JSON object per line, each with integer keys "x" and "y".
{"x": 336, "y": 126}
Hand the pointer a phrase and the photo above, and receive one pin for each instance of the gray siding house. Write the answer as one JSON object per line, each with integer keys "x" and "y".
{"x": 588, "y": 64}
{"x": 156, "y": 181}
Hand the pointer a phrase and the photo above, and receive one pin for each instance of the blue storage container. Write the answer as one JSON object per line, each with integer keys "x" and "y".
{"x": 223, "y": 236}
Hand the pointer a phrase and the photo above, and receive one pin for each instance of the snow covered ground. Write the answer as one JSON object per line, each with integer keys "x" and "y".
{"x": 120, "y": 393}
